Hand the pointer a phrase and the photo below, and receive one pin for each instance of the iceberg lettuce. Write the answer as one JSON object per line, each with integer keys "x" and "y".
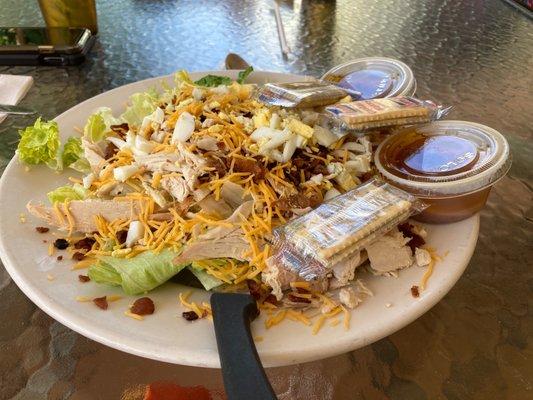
{"x": 138, "y": 274}
{"x": 208, "y": 281}
{"x": 72, "y": 156}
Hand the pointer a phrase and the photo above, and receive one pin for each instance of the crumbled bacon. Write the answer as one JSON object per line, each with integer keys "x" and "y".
{"x": 85, "y": 243}
{"x": 78, "y": 256}
{"x": 101, "y": 302}
{"x": 143, "y": 306}
{"x": 59, "y": 258}
{"x": 416, "y": 240}
{"x": 42, "y": 229}
{"x": 110, "y": 151}
{"x": 251, "y": 166}
{"x": 254, "y": 288}
{"x": 83, "y": 278}
{"x": 271, "y": 299}
{"x": 190, "y": 315}
{"x": 217, "y": 164}
{"x": 121, "y": 236}
{"x": 302, "y": 290}
{"x": 120, "y": 129}
{"x": 297, "y": 299}
{"x": 414, "y": 291}
{"x": 293, "y": 201}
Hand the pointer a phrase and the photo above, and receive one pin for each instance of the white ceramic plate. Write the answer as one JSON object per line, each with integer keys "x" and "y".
{"x": 166, "y": 336}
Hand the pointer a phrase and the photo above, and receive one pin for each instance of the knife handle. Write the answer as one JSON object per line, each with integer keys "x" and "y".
{"x": 243, "y": 374}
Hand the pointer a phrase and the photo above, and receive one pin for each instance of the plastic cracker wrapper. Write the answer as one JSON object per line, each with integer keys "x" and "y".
{"x": 312, "y": 244}
{"x": 377, "y": 113}
{"x": 300, "y": 94}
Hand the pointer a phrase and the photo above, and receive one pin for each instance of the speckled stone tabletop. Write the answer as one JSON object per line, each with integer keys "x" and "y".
{"x": 476, "y": 55}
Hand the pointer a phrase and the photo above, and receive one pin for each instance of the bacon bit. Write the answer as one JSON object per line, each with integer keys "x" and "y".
{"x": 101, "y": 302}
{"x": 416, "y": 240}
{"x": 85, "y": 243}
{"x": 271, "y": 299}
{"x": 190, "y": 315}
{"x": 293, "y": 201}
{"x": 217, "y": 164}
{"x": 143, "y": 306}
{"x": 414, "y": 291}
{"x": 83, "y": 278}
{"x": 121, "y": 236}
{"x": 253, "y": 167}
{"x": 120, "y": 129}
{"x": 61, "y": 244}
{"x": 42, "y": 229}
{"x": 110, "y": 151}
{"x": 254, "y": 288}
{"x": 78, "y": 256}
{"x": 301, "y": 290}
{"x": 296, "y": 299}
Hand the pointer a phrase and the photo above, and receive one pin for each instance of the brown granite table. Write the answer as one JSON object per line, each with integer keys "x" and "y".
{"x": 476, "y": 55}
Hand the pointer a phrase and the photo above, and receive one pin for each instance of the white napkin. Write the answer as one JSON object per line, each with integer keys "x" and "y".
{"x": 12, "y": 89}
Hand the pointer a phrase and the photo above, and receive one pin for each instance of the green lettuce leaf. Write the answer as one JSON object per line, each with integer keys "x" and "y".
{"x": 63, "y": 193}
{"x": 138, "y": 274}
{"x": 95, "y": 128}
{"x": 182, "y": 76}
{"x": 142, "y": 105}
{"x": 213, "y": 81}
{"x": 208, "y": 281}
{"x": 72, "y": 156}
{"x": 40, "y": 144}
{"x": 244, "y": 74}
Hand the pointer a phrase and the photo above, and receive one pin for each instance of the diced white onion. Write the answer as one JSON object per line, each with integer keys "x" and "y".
{"x": 276, "y": 155}
{"x": 135, "y": 232}
{"x": 184, "y": 128}
{"x": 123, "y": 173}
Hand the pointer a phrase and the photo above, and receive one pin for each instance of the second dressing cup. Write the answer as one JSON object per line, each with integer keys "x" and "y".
{"x": 373, "y": 77}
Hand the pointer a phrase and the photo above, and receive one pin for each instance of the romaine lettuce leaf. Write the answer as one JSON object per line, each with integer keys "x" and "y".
{"x": 213, "y": 81}
{"x": 95, "y": 128}
{"x": 244, "y": 74}
{"x": 63, "y": 193}
{"x": 142, "y": 105}
{"x": 40, "y": 144}
{"x": 137, "y": 274}
{"x": 72, "y": 156}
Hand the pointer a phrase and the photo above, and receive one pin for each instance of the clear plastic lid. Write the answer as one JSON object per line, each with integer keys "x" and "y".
{"x": 374, "y": 77}
{"x": 444, "y": 158}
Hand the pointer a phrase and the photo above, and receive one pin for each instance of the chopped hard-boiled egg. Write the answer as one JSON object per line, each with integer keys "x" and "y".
{"x": 123, "y": 173}
{"x": 135, "y": 232}
{"x": 184, "y": 128}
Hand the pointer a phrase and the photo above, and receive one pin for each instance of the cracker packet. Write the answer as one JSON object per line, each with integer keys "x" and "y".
{"x": 313, "y": 243}
{"x": 300, "y": 94}
{"x": 378, "y": 113}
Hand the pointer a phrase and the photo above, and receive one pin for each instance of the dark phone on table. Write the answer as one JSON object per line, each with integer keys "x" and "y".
{"x": 44, "y": 46}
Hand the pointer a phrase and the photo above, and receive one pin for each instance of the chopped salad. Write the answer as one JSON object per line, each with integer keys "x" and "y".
{"x": 195, "y": 178}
